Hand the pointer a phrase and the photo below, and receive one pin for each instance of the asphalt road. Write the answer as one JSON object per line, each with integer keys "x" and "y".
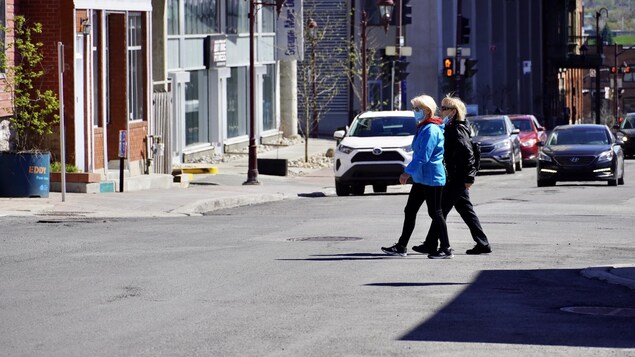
{"x": 306, "y": 277}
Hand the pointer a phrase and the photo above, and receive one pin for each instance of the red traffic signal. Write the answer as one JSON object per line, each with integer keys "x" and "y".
{"x": 613, "y": 70}
{"x": 625, "y": 69}
{"x": 448, "y": 67}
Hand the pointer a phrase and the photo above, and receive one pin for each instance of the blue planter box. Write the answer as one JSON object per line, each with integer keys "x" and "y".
{"x": 24, "y": 174}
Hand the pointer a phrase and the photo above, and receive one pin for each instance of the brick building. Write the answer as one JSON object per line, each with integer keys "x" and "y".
{"x": 107, "y": 81}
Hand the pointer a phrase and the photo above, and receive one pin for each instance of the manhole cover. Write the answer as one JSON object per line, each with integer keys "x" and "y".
{"x": 323, "y": 239}
{"x": 601, "y": 310}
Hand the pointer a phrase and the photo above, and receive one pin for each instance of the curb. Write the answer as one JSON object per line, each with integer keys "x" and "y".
{"x": 606, "y": 274}
{"x": 201, "y": 207}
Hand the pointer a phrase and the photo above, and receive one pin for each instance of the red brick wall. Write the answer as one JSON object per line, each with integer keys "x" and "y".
{"x": 138, "y": 132}
{"x": 5, "y": 94}
{"x": 57, "y": 25}
{"x": 99, "y": 148}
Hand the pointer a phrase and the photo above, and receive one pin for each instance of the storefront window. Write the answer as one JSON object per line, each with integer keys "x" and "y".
{"x": 201, "y": 17}
{"x": 268, "y": 22}
{"x": 196, "y": 108}
{"x": 135, "y": 60}
{"x": 237, "y": 14}
{"x": 268, "y": 98}
{"x": 173, "y": 17}
{"x": 236, "y": 103}
{"x": 96, "y": 34}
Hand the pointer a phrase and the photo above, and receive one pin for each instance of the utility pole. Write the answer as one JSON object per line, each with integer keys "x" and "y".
{"x": 457, "y": 52}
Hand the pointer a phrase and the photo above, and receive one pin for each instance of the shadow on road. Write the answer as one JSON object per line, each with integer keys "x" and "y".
{"x": 523, "y": 307}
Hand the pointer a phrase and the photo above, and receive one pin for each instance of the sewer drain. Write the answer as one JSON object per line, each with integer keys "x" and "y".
{"x": 601, "y": 310}
{"x": 323, "y": 239}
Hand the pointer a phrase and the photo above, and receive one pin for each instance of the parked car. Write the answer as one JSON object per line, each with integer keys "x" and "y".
{"x": 374, "y": 151}
{"x": 626, "y": 133}
{"x": 531, "y": 133}
{"x": 499, "y": 142}
{"x": 583, "y": 152}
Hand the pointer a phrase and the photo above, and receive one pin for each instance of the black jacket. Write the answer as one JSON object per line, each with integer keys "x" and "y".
{"x": 459, "y": 157}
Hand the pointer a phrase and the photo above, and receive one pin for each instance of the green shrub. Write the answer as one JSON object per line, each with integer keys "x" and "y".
{"x": 57, "y": 167}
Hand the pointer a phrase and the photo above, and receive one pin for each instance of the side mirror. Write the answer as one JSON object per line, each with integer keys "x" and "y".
{"x": 515, "y": 131}
{"x": 540, "y": 144}
{"x": 541, "y": 128}
{"x": 339, "y": 134}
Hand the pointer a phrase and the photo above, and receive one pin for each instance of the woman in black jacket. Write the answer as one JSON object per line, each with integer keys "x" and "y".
{"x": 461, "y": 170}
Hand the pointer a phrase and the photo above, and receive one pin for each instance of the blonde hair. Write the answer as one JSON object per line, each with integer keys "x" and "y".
{"x": 425, "y": 101}
{"x": 456, "y": 104}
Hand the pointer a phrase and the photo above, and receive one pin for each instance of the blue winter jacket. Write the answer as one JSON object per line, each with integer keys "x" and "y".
{"x": 427, "y": 166}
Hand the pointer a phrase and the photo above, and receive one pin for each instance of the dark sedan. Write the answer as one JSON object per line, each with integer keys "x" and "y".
{"x": 626, "y": 133}
{"x": 499, "y": 142}
{"x": 583, "y": 152}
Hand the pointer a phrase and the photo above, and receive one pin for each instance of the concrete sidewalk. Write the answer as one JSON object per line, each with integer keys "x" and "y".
{"x": 205, "y": 193}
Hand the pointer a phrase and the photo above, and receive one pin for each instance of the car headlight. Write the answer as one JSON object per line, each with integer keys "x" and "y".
{"x": 530, "y": 142}
{"x": 345, "y": 149}
{"x": 503, "y": 145}
{"x": 544, "y": 157}
{"x": 621, "y": 136}
{"x": 407, "y": 148}
{"x": 606, "y": 156}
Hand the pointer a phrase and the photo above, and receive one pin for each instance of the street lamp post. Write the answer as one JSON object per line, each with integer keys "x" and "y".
{"x": 385, "y": 9}
{"x": 312, "y": 26}
{"x": 364, "y": 69}
{"x": 252, "y": 172}
{"x": 599, "y": 44}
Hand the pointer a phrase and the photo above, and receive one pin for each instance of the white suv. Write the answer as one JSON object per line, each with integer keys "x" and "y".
{"x": 373, "y": 151}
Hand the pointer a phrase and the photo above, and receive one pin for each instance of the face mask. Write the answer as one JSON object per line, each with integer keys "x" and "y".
{"x": 419, "y": 115}
{"x": 446, "y": 120}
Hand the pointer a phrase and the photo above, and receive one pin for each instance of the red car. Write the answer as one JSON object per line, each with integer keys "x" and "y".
{"x": 531, "y": 132}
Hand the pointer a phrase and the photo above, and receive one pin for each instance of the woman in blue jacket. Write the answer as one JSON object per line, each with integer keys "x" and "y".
{"x": 427, "y": 172}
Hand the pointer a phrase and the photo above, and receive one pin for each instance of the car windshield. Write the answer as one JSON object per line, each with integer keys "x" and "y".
{"x": 629, "y": 122}
{"x": 384, "y": 126}
{"x": 578, "y": 137}
{"x": 492, "y": 127}
{"x": 522, "y": 124}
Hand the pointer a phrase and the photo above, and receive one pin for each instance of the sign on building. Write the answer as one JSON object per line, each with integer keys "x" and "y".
{"x": 290, "y": 32}
{"x": 215, "y": 53}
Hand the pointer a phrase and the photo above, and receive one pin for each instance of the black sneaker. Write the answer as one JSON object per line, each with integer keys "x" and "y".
{"x": 479, "y": 249}
{"x": 395, "y": 250}
{"x": 442, "y": 254}
{"x": 423, "y": 249}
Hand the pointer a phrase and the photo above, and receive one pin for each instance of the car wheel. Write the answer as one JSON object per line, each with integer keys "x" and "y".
{"x": 612, "y": 182}
{"x": 519, "y": 164}
{"x": 512, "y": 166}
{"x": 620, "y": 181}
{"x": 358, "y": 189}
{"x": 546, "y": 183}
{"x": 342, "y": 189}
{"x": 379, "y": 188}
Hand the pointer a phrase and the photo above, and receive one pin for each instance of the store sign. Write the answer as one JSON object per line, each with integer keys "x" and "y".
{"x": 290, "y": 32}
{"x": 215, "y": 54}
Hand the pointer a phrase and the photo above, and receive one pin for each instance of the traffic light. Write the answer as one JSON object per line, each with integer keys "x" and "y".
{"x": 406, "y": 8}
{"x": 465, "y": 30}
{"x": 613, "y": 70}
{"x": 386, "y": 71}
{"x": 401, "y": 70}
{"x": 625, "y": 70}
{"x": 470, "y": 67}
{"x": 448, "y": 67}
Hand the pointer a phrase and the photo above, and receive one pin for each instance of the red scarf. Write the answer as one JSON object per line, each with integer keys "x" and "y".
{"x": 433, "y": 120}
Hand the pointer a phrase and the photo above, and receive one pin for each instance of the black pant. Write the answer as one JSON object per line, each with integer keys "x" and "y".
{"x": 456, "y": 195}
{"x": 432, "y": 196}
